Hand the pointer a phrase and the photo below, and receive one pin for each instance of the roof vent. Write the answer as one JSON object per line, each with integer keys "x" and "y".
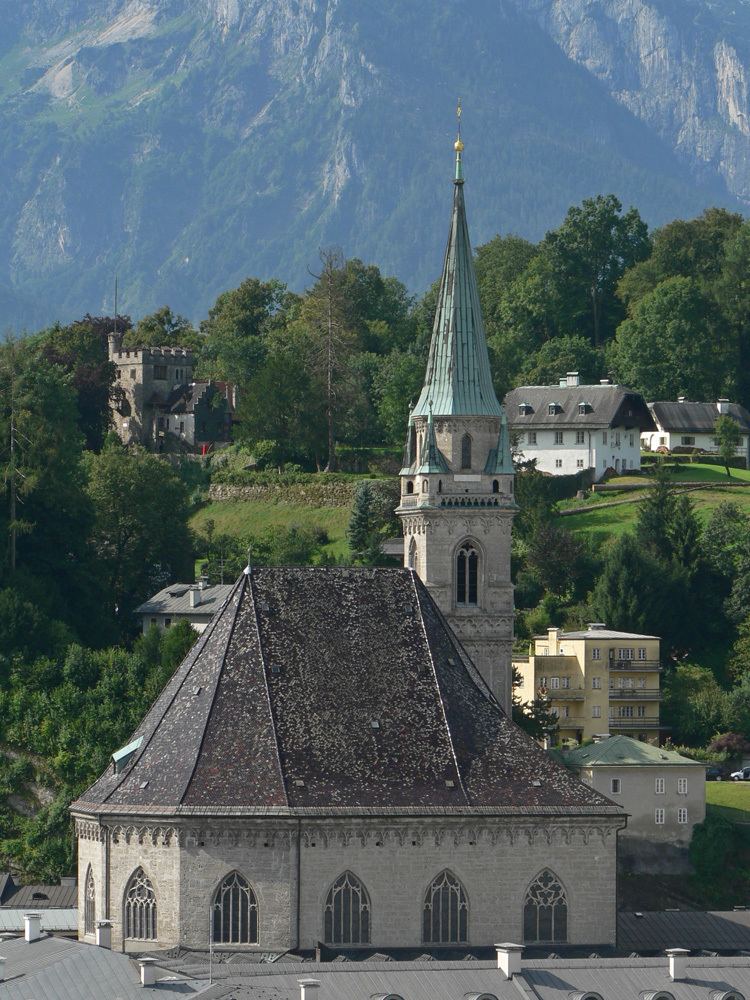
{"x": 726, "y": 995}
{"x": 275, "y": 669}
{"x": 121, "y": 758}
{"x": 451, "y": 661}
{"x": 537, "y": 783}
{"x": 584, "y": 996}
{"x": 299, "y": 782}
{"x": 682, "y": 399}
{"x": 39, "y": 895}
{"x": 593, "y": 626}
{"x": 197, "y": 691}
{"x": 374, "y": 723}
{"x": 604, "y": 381}
{"x": 450, "y": 783}
{"x": 144, "y": 784}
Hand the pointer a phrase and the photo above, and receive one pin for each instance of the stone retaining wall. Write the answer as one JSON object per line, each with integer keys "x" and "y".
{"x": 313, "y": 494}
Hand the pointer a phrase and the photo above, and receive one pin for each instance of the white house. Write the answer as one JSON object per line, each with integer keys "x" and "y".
{"x": 195, "y": 603}
{"x": 571, "y": 427}
{"x": 685, "y": 426}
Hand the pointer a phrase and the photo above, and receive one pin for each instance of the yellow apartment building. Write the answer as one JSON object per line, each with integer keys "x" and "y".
{"x": 598, "y": 681}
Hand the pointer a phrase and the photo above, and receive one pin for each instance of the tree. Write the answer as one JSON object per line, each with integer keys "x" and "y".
{"x": 590, "y": 252}
{"x": 739, "y": 657}
{"x": 534, "y": 717}
{"x": 498, "y": 264}
{"x": 140, "y": 534}
{"x": 656, "y": 516}
{"x": 724, "y": 539}
{"x": 561, "y": 355}
{"x": 694, "y": 704}
{"x": 362, "y": 533}
{"x": 668, "y": 348}
{"x": 162, "y": 328}
{"x": 729, "y": 437}
{"x": 396, "y": 384}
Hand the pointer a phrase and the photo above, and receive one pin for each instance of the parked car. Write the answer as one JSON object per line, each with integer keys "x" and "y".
{"x": 715, "y": 773}
{"x": 742, "y": 775}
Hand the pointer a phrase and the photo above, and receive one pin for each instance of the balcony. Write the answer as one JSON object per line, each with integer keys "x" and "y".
{"x": 635, "y": 694}
{"x": 565, "y": 694}
{"x": 635, "y": 724}
{"x": 637, "y": 666}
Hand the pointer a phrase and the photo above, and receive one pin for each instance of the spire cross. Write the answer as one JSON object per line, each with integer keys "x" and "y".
{"x": 458, "y": 145}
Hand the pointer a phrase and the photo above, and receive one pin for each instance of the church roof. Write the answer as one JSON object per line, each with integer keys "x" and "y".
{"x": 324, "y": 690}
{"x": 458, "y": 379}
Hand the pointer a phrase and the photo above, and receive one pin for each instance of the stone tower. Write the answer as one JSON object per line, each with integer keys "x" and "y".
{"x": 457, "y": 502}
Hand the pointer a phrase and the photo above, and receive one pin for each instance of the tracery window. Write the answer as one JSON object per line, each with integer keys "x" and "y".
{"x": 466, "y": 451}
{"x": 140, "y": 908}
{"x": 545, "y": 911}
{"x": 89, "y": 904}
{"x": 347, "y": 912}
{"x": 234, "y": 912}
{"x": 412, "y": 554}
{"x": 445, "y": 918}
{"x": 467, "y": 575}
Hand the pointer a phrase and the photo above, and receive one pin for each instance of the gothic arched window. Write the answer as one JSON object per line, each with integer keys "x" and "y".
{"x": 140, "y": 907}
{"x": 467, "y": 575}
{"x": 410, "y": 487}
{"x": 347, "y": 912}
{"x": 445, "y": 917}
{"x": 495, "y": 486}
{"x": 234, "y": 913}
{"x": 545, "y": 910}
{"x": 89, "y": 904}
{"x": 466, "y": 451}
{"x": 413, "y": 554}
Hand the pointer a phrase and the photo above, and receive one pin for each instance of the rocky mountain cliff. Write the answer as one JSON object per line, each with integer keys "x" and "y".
{"x": 184, "y": 144}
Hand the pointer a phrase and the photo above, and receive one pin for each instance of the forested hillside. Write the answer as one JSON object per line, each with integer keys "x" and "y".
{"x": 98, "y": 527}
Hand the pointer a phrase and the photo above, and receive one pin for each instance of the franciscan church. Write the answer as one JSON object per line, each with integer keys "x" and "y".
{"x": 334, "y": 761}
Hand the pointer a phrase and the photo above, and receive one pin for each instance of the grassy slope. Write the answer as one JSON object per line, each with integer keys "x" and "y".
{"x": 730, "y": 799}
{"x": 242, "y": 518}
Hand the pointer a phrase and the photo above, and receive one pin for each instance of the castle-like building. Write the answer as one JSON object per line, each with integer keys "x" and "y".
{"x": 457, "y": 501}
{"x": 332, "y": 762}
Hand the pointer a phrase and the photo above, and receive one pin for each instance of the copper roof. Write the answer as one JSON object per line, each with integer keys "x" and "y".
{"x": 324, "y": 689}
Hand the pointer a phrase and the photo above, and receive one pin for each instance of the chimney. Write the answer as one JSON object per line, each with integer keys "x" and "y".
{"x": 681, "y": 399}
{"x": 148, "y": 971}
{"x": 308, "y": 988}
{"x": 604, "y": 381}
{"x": 572, "y": 378}
{"x": 553, "y": 637}
{"x": 562, "y": 382}
{"x": 69, "y": 881}
{"x": 195, "y": 596}
{"x": 2, "y": 969}
{"x": 509, "y": 958}
{"x": 722, "y": 405}
{"x": 104, "y": 934}
{"x": 32, "y": 926}
{"x": 677, "y": 963}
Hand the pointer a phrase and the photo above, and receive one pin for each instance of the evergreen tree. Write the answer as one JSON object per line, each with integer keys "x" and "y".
{"x": 634, "y": 592}
{"x": 656, "y": 516}
{"x": 362, "y": 532}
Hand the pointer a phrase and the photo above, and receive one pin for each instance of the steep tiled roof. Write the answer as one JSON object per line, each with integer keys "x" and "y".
{"x": 606, "y": 406}
{"x": 322, "y": 689}
{"x": 458, "y": 379}
{"x": 700, "y": 418}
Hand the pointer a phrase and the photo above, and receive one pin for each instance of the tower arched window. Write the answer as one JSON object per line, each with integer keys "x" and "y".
{"x": 347, "y": 912}
{"x": 410, "y": 487}
{"x": 467, "y": 575}
{"x": 140, "y": 907}
{"x": 89, "y": 903}
{"x": 495, "y": 486}
{"x": 234, "y": 912}
{"x": 440, "y": 485}
{"x": 545, "y": 910}
{"x": 413, "y": 554}
{"x": 425, "y": 485}
{"x": 445, "y": 917}
{"x": 466, "y": 451}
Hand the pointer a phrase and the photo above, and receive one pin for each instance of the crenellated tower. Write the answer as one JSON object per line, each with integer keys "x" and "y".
{"x": 457, "y": 502}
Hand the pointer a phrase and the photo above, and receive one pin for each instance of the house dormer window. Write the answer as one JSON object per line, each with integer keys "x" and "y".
{"x": 584, "y": 408}
{"x": 525, "y": 409}
{"x": 554, "y": 408}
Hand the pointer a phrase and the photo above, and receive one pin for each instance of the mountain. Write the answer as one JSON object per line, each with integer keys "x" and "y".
{"x": 186, "y": 144}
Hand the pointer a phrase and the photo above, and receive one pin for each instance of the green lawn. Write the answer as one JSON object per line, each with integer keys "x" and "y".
{"x": 697, "y": 472}
{"x": 239, "y": 517}
{"x": 730, "y": 799}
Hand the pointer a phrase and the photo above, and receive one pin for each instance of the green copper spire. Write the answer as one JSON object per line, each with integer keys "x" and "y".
{"x": 458, "y": 379}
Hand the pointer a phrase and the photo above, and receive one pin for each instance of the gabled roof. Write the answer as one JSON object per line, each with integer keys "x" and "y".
{"x": 698, "y": 418}
{"x": 600, "y": 633}
{"x": 175, "y": 600}
{"x": 324, "y": 689}
{"x": 40, "y": 897}
{"x": 619, "y": 751}
{"x": 605, "y": 406}
{"x": 458, "y": 378}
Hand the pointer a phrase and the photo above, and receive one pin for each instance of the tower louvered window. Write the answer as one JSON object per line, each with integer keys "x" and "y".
{"x": 466, "y": 451}
{"x": 545, "y": 911}
{"x": 347, "y": 912}
{"x": 89, "y": 904}
{"x": 235, "y": 912}
{"x": 140, "y": 908}
{"x": 467, "y": 575}
{"x": 445, "y": 918}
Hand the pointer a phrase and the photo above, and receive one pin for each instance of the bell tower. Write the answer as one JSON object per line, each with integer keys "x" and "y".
{"x": 457, "y": 502}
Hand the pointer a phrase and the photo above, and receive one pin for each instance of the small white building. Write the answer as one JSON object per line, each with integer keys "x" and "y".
{"x": 570, "y": 427}
{"x": 196, "y": 603}
{"x": 663, "y": 793}
{"x": 685, "y": 427}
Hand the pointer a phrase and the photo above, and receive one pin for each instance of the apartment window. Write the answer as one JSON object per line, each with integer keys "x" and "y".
{"x": 688, "y": 439}
{"x": 659, "y": 786}
{"x": 604, "y": 463}
{"x": 625, "y": 654}
{"x": 641, "y": 682}
{"x": 564, "y": 681}
{"x": 520, "y": 438}
{"x": 641, "y": 653}
{"x": 604, "y": 437}
{"x": 641, "y": 712}
{"x": 617, "y": 439}
{"x": 626, "y": 712}
{"x": 659, "y": 817}
{"x": 682, "y": 786}
{"x": 596, "y": 683}
{"x": 559, "y": 437}
{"x": 682, "y": 815}
{"x": 596, "y": 712}
{"x": 564, "y": 712}
{"x": 579, "y": 463}
{"x": 615, "y": 786}
{"x": 558, "y": 463}
{"x": 542, "y": 682}
{"x": 596, "y": 653}
{"x": 580, "y": 437}
{"x": 554, "y": 683}
{"x": 632, "y": 440}
{"x": 160, "y": 372}
{"x": 182, "y": 427}
{"x": 532, "y": 437}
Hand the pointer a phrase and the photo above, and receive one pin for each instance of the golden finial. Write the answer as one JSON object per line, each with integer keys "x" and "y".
{"x": 458, "y": 144}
